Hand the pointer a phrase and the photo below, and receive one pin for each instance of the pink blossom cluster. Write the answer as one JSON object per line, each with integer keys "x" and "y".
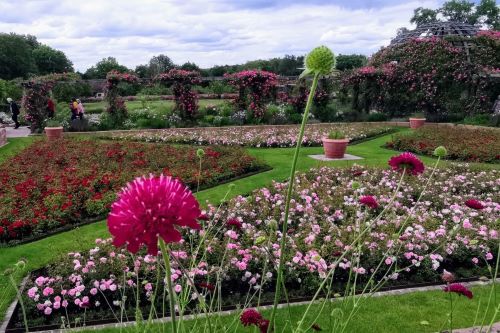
{"x": 327, "y": 213}
{"x": 261, "y": 136}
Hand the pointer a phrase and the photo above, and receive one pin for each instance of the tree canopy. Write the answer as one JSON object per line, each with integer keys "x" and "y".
{"x": 487, "y": 13}
{"x": 103, "y": 67}
{"x": 22, "y": 56}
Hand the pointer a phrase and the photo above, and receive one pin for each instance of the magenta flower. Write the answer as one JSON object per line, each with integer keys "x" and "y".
{"x": 368, "y": 201}
{"x": 474, "y": 204}
{"x": 250, "y": 317}
{"x": 407, "y": 161}
{"x": 460, "y": 289}
{"x": 152, "y": 207}
{"x": 234, "y": 223}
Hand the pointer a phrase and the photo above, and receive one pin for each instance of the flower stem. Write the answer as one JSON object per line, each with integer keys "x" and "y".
{"x": 279, "y": 278}
{"x": 168, "y": 275}
{"x": 20, "y": 299}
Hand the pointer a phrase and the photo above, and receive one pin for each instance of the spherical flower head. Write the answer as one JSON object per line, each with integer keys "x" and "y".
{"x": 250, "y": 317}
{"x": 234, "y": 223}
{"x": 447, "y": 277}
{"x": 263, "y": 326}
{"x": 152, "y": 207}
{"x": 320, "y": 60}
{"x": 474, "y": 204}
{"x": 200, "y": 153}
{"x": 368, "y": 201}
{"x": 459, "y": 289}
{"x": 440, "y": 151}
{"x": 355, "y": 185}
{"x": 407, "y": 161}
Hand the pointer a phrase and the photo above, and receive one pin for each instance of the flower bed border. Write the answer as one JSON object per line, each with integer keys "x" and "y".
{"x": 68, "y": 227}
{"x": 14, "y": 307}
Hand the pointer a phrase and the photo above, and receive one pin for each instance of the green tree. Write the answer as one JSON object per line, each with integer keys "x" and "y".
{"x": 350, "y": 61}
{"x": 16, "y": 56}
{"x": 160, "y": 64}
{"x": 459, "y": 11}
{"x": 49, "y": 60}
{"x": 142, "y": 71}
{"x": 488, "y": 13}
{"x": 190, "y": 66}
{"x": 424, "y": 15}
{"x": 103, "y": 67}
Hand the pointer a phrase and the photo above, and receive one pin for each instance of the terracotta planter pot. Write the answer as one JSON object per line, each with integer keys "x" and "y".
{"x": 335, "y": 148}
{"x": 417, "y": 122}
{"x": 53, "y": 133}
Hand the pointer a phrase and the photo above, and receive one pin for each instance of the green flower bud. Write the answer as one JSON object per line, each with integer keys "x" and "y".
{"x": 273, "y": 224}
{"x": 200, "y": 153}
{"x": 260, "y": 240}
{"x": 320, "y": 60}
{"x": 21, "y": 264}
{"x": 440, "y": 151}
{"x": 231, "y": 186}
{"x": 355, "y": 185}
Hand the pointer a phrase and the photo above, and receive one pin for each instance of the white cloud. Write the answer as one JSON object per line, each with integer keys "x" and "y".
{"x": 205, "y": 32}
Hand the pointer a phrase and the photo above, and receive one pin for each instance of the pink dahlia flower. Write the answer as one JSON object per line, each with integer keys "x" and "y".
{"x": 152, "y": 207}
{"x": 459, "y": 289}
{"x": 407, "y": 161}
{"x": 474, "y": 204}
{"x": 368, "y": 201}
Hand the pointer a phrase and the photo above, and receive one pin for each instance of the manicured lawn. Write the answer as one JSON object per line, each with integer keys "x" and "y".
{"x": 38, "y": 254}
{"x": 413, "y": 312}
{"x": 98, "y": 107}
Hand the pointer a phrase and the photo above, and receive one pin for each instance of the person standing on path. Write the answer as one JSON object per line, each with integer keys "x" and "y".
{"x": 81, "y": 109}
{"x": 14, "y": 109}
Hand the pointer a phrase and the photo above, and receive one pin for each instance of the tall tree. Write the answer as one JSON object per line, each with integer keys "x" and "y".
{"x": 488, "y": 13}
{"x": 459, "y": 11}
{"x": 350, "y": 61}
{"x": 49, "y": 60}
{"x": 424, "y": 15}
{"x": 16, "y": 56}
{"x": 190, "y": 66}
{"x": 103, "y": 67}
{"x": 160, "y": 64}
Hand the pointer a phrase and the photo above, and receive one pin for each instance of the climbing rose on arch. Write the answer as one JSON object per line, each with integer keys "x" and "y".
{"x": 152, "y": 207}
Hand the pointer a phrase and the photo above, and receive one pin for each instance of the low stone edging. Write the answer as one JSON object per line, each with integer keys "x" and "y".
{"x": 394, "y": 292}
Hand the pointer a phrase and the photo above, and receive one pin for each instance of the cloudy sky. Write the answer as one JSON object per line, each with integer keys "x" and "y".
{"x": 206, "y": 32}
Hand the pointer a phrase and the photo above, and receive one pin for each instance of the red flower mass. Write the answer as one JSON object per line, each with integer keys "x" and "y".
{"x": 407, "y": 161}
{"x": 474, "y": 204}
{"x": 459, "y": 289}
{"x": 250, "y": 317}
{"x": 152, "y": 207}
{"x": 369, "y": 201}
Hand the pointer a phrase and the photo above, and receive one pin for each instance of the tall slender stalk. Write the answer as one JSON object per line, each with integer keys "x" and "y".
{"x": 168, "y": 276}
{"x": 20, "y": 299}
{"x": 284, "y": 230}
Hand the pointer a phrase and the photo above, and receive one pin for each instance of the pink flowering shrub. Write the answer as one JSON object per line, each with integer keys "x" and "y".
{"x": 186, "y": 100}
{"x": 428, "y": 75}
{"x": 326, "y": 215}
{"x": 254, "y": 88}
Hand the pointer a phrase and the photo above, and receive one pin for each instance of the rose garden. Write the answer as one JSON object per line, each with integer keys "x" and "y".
{"x": 235, "y": 215}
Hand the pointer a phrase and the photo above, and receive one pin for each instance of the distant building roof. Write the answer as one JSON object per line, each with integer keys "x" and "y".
{"x": 438, "y": 29}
